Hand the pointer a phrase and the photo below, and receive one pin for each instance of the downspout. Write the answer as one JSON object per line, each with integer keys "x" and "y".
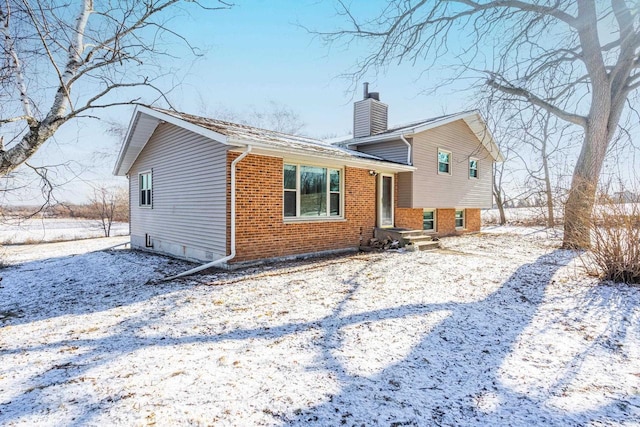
{"x": 408, "y": 149}
{"x": 233, "y": 223}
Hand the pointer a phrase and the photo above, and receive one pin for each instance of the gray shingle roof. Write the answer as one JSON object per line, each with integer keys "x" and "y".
{"x": 244, "y": 133}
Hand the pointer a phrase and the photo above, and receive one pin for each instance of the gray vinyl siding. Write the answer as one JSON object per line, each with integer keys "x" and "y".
{"x": 369, "y": 117}
{"x": 405, "y": 186}
{"x": 433, "y": 190}
{"x": 188, "y": 215}
{"x": 394, "y": 151}
{"x": 361, "y": 118}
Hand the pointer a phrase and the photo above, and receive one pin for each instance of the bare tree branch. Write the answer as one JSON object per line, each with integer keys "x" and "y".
{"x": 50, "y": 48}
{"x": 571, "y": 118}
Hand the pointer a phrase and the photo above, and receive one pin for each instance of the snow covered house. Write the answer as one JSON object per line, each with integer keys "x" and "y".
{"x": 207, "y": 190}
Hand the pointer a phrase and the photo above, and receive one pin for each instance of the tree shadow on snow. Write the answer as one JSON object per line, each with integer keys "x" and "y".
{"x": 452, "y": 377}
{"x": 81, "y": 284}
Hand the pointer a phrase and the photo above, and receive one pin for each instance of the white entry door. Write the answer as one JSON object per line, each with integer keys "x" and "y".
{"x": 385, "y": 200}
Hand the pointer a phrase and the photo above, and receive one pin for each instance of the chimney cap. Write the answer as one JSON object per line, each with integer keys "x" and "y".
{"x": 367, "y": 94}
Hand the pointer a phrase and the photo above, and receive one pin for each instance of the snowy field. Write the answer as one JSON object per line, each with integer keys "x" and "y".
{"x": 38, "y": 230}
{"x": 495, "y": 329}
{"x": 522, "y": 216}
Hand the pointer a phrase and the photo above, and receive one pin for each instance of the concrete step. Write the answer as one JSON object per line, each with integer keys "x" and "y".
{"x": 423, "y": 246}
{"x": 410, "y": 233}
{"x": 416, "y": 239}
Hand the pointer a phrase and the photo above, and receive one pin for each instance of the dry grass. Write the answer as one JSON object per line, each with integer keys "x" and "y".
{"x": 615, "y": 251}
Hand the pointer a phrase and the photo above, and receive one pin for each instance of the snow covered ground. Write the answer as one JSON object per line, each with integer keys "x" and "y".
{"x": 495, "y": 329}
{"x": 38, "y": 230}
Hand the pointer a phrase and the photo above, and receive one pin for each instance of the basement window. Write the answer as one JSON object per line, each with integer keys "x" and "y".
{"x": 444, "y": 162}
{"x": 312, "y": 192}
{"x": 429, "y": 220}
{"x": 460, "y": 218}
{"x": 145, "y": 185}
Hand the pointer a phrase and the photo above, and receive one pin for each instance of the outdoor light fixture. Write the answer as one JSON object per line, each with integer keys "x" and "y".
{"x": 373, "y": 173}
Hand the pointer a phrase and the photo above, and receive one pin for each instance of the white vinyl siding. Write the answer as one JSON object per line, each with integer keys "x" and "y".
{"x": 434, "y": 190}
{"x": 188, "y": 218}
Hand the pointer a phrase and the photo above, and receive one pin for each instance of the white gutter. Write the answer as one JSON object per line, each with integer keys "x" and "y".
{"x": 233, "y": 223}
{"x": 408, "y": 148}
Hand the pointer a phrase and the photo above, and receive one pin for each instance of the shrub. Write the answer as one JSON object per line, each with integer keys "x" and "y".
{"x": 615, "y": 248}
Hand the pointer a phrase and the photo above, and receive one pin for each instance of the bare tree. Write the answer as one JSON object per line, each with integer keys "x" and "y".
{"x": 499, "y": 194}
{"x": 109, "y": 205}
{"x": 546, "y": 143}
{"x": 577, "y": 59}
{"x": 65, "y": 60}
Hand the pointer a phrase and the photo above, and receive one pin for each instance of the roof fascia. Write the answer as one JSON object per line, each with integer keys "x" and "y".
{"x": 161, "y": 117}
{"x": 200, "y": 130}
{"x": 302, "y": 155}
{"x": 127, "y": 139}
{"x": 410, "y": 130}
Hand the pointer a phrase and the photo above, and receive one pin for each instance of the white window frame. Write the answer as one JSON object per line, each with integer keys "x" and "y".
{"x": 435, "y": 221}
{"x": 464, "y": 219}
{"x": 441, "y": 150}
{"x": 381, "y": 176}
{"x": 148, "y": 205}
{"x": 327, "y": 217}
{"x": 477, "y": 169}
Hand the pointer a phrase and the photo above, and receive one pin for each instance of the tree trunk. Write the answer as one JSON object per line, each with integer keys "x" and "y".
{"x": 547, "y": 183}
{"x": 579, "y": 206}
{"x": 500, "y": 203}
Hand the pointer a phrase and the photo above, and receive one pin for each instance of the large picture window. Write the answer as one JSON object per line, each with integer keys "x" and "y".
{"x": 144, "y": 182}
{"x": 312, "y": 191}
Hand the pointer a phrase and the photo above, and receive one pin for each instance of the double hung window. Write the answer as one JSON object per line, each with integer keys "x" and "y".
{"x": 459, "y": 218}
{"x": 145, "y": 186}
{"x": 429, "y": 220}
{"x": 444, "y": 162}
{"x": 473, "y": 168}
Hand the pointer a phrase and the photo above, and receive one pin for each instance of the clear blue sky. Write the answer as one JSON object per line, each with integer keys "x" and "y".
{"x": 255, "y": 53}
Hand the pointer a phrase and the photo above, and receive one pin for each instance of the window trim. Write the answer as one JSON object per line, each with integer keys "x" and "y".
{"x": 464, "y": 218}
{"x": 442, "y": 150}
{"x": 435, "y": 220}
{"x": 150, "y": 204}
{"x": 328, "y": 217}
{"x": 380, "y": 180}
{"x": 477, "y": 169}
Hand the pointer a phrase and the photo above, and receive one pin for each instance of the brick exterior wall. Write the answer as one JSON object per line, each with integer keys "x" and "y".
{"x": 446, "y": 221}
{"x": 473, "y": 220}
{"x": 261, "y": 231}
{"x": 408, "y": 218}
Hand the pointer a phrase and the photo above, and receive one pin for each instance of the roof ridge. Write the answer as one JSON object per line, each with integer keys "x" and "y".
{"x": 181, "y": 114}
